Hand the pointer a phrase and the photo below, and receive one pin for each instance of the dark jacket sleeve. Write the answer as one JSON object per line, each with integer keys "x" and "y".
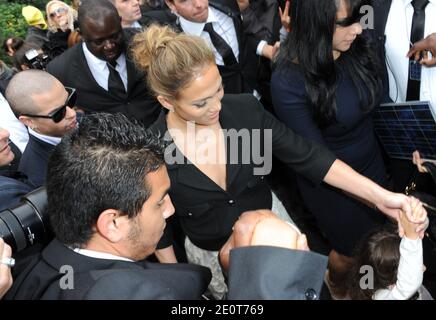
{"x": 11, "y": 191}
{"x": 306, "y": 157}
{"x": 261, "y": 18}
{"x": 260, "y": 272}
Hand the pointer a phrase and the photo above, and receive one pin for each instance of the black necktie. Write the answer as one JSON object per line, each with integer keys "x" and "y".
{"x": 220, "y": 45}
{"x": 115, "y": 85}
{"x": 416, "y": 34}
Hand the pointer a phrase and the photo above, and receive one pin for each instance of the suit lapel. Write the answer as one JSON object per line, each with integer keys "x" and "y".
{"x": 189, "y": 175}
{"x": 133, "y": 76}
{"x": 381, "y": 8}
{"x": 231, "y": 9}
{"x": 180, "y": 168}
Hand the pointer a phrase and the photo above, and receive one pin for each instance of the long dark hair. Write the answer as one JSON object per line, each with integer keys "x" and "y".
{"x": 309, "y": 44}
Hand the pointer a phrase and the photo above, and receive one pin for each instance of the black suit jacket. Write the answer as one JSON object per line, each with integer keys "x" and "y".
{"x": 11, "y": 191}
{"x": 381, "y": 13}
{"x": 34, "y": 161}
{"x": 206, "y": 212}
{"x": 72, "y": 70}
{"x": 105, "y": 279}
{"x": 255, "y": 273}
{"x": 241, "y": 77}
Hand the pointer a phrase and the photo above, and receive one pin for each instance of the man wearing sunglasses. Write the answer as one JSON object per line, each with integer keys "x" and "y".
{"x": 45, "y": 106}
{"x": 100, "y": 69}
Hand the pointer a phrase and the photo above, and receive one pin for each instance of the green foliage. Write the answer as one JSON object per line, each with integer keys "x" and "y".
{"x": 12, "y": 23}
{"x": 40, "y": 4}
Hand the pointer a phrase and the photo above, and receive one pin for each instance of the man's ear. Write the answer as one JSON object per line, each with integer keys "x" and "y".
{"x": 166, "y": 103}
{"x": 28, "y": 122}
{"x": 171, "y": 5}
{"x": 112, "y": 225}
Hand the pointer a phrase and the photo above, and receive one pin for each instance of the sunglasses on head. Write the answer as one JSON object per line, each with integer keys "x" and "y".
{"x": 59, "y": 113}
{"x": 58, "y": 11}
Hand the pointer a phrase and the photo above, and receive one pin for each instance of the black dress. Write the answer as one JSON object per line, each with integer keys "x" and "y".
{"x": 351, "y": 138}
{"x": 206, "y": 212}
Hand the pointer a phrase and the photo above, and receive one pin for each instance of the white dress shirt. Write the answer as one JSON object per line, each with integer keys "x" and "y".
{"x": 222, "y": 24}
{"x": 136, "y": 25}
{"x": 17, "y": 130}
{"x": 100, "y": 70}
{"x": 99, "y": 255}
{"x": 48, "y": 139}
{"x": 398, "y": 28}
{"x": 409, "y": 274}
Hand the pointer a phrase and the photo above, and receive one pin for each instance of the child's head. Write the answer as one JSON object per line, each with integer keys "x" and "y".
{"x": 378, "y": 252}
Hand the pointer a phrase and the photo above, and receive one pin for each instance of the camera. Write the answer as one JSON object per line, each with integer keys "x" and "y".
{"x": 27, "y": 223}
{"x": 36, "y": 60}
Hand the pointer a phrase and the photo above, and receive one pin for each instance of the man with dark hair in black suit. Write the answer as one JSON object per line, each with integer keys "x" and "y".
{"x": 100, "y": 68}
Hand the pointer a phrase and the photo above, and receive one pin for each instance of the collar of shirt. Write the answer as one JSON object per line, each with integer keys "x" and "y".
{"x": 49, "y": 139}
{"x": 407, "y": 2}
{"x": 102, "y": 64}
{"x": 99, "y": 255}
{"x": 136, "y": 25}
{"x": 100, "y": 70}
{"x": 196, "y": 28}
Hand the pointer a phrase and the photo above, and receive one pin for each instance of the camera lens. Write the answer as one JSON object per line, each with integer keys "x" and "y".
{"x": 25, "y": 225}
{"x": 11, "y": 231}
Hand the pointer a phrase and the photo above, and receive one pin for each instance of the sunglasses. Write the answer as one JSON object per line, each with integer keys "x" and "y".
{"x": 57, "y": 12}
{"x": 59, "y": 114}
